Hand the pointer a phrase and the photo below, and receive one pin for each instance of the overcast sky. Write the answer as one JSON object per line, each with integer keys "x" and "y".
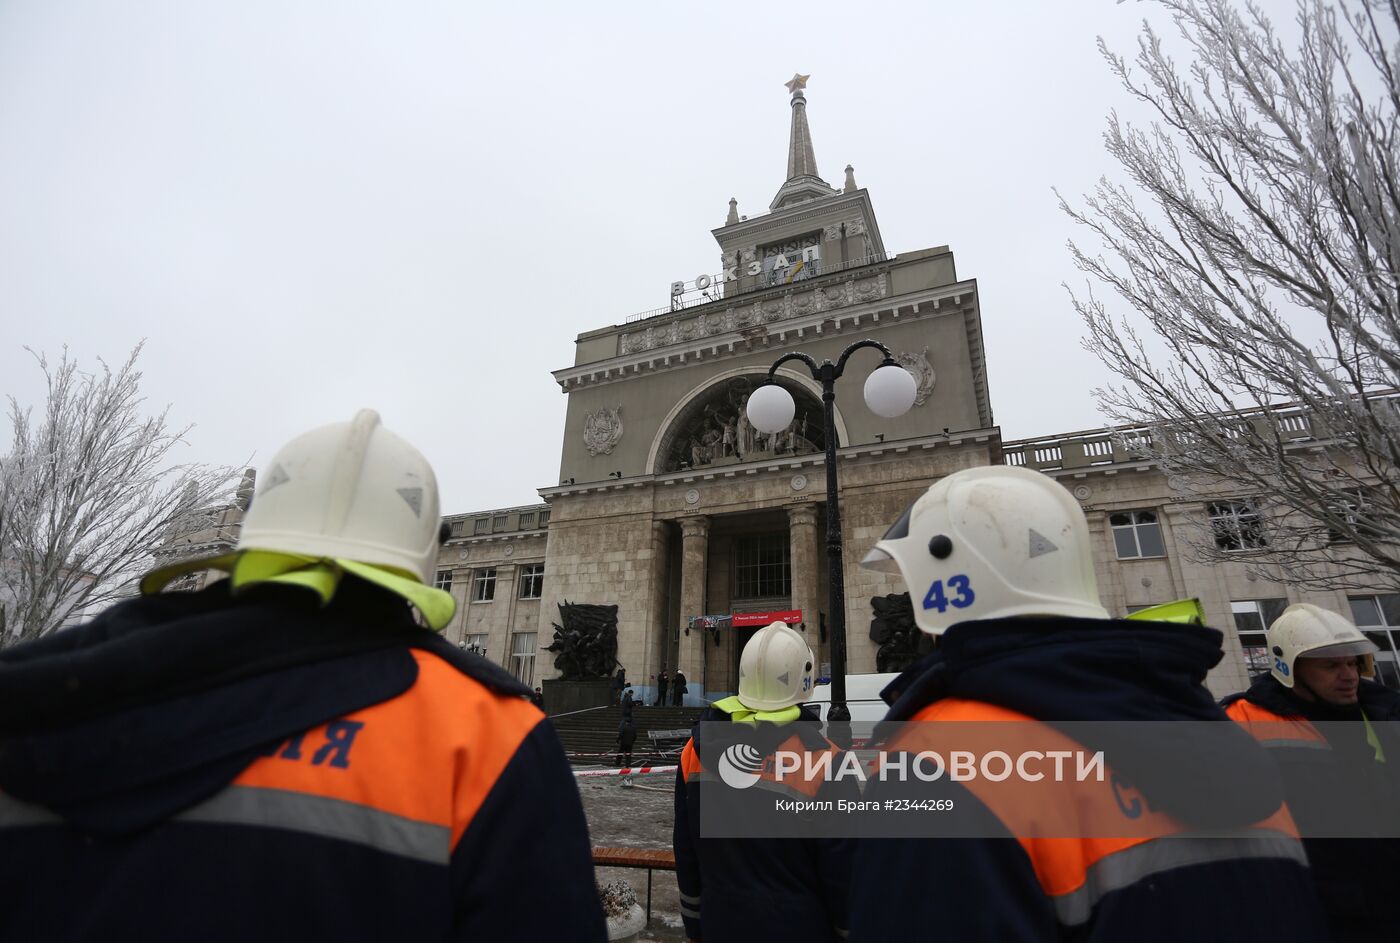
{"x": 305, "y": 208}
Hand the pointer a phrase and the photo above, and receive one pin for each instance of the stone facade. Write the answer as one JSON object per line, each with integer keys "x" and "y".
{"x": 1107, "y": 481}
{"x": 668, "y": 507}
{"x": 493, "y": 563}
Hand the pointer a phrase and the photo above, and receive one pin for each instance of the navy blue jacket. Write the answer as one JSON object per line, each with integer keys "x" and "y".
{"x": 769, "y": 889}
{"x": 194, "y": 767}
{"x": 1062, "y": 670}
{"x": 1336, "y": 787}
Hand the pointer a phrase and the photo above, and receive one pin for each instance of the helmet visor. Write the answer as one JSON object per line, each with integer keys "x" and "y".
{"x": 1361, "y": 646}
{"x": 900, "y": 528}
{"x": 878, "y": 559}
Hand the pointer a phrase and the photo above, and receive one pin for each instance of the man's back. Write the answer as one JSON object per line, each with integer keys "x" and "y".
{"x": 1091, "y": 884}
{"x": 190, "y": 766}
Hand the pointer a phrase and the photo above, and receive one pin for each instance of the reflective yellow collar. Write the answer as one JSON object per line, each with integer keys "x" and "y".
{"x": 319, "y": 574}
{"x": 739, "y": 714}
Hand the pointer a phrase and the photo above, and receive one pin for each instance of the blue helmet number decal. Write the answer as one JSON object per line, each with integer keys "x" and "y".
{"x": 961, "y": 588}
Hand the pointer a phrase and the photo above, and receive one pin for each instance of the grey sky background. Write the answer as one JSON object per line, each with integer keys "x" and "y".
{"x": 306, "y": 208}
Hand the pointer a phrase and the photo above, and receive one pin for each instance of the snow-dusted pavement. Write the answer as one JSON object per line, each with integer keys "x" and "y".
{"x": 637, "y": 817}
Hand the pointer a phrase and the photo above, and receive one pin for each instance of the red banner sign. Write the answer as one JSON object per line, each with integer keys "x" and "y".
{"x": 749, "y": 619}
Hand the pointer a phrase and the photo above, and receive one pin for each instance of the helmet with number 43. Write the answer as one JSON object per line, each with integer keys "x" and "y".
{"x": 988, "y": 543}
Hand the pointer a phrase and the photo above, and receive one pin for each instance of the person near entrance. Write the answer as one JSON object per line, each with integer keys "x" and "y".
{"x": 761, "y": 888}
{"x": 999, "y": 565}
{"x": 1325, "y": 724}
{"x": 678, "y": 688}
{"x": 662, "y": 684}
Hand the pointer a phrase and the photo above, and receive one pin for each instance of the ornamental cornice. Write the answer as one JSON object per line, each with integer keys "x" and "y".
{"x": 778, "y": 218}
{"x": 713, "y": 335}
{"x": 775, "y": 467}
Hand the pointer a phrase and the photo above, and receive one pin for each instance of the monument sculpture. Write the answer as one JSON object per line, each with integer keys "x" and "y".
{"x": 585, "y": 645}
{"x": 893, "y": 629}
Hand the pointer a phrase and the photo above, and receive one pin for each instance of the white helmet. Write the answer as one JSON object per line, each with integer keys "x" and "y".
{"x": 351, "y": 490}
{"x": 775, "y": 670}
{"x": 1308, "y": 631}
{"x": 992, "y": 542}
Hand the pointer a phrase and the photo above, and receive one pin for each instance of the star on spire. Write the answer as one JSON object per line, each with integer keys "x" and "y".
{"x": 797, "y": 83}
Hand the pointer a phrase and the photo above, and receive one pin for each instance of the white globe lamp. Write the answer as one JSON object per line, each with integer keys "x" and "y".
{"x": 771, "y": 408}
{"x": 889, "y": 391}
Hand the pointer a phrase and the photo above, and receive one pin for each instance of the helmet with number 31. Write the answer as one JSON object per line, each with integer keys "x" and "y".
{"x": 989, "y": 543}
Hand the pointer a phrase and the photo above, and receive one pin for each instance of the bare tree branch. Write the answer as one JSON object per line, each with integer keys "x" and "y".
{"x": 1264, "y": 265}
{"x": 88, "y": 493}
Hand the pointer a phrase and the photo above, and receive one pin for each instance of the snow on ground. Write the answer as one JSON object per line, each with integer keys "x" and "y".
{"x": 637, "y": 817}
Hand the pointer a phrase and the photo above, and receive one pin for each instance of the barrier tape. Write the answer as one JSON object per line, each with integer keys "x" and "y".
{"x": 626, "y": 771}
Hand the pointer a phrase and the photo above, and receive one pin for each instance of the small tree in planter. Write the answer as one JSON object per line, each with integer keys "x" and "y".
{"x": 620, "y": 907}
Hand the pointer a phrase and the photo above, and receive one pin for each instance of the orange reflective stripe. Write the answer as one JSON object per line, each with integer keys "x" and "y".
{"x": 431, "y": 755}
{"x": 690, "y": 760}
{"x": 798, "y": 782}
{"x": 1077, "y": 865}
{"x": 1272, "y": 729}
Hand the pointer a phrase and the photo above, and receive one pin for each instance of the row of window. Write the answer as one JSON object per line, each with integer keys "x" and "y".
{"x": 1236, "y": 525}
{"x": 498, "y": 523}
{"x": 484, "y": 582}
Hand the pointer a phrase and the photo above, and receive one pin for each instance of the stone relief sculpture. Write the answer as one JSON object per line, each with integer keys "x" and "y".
{"x": 718, "y": 431}
{"x": 585, "y": 646}
{"x": 602, "y": 430}
{"x": 894, "y": 630}
{"x": 922, "y": 371}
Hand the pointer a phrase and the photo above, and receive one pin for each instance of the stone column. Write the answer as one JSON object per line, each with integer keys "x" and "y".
{"x": 695, "y": 551}
{"x": 802, "y": 532}
{"x": 658, "y": 634}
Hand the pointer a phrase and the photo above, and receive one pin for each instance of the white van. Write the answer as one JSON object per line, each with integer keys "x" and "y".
{"x": 862, "y": 696}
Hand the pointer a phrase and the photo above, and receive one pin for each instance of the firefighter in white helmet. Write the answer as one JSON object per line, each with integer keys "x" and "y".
{"x": 293, "y": 752}
{"x": 1331, "y": 729}
{"x": 999, "y": 565}
{"x": 756, "y": 888}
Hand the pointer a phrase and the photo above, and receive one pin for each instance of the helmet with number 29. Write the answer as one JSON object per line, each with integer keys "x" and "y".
{"x": 989, "y": 543}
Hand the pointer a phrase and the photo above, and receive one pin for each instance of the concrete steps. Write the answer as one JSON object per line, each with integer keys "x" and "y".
{"x": 595, "y": 731}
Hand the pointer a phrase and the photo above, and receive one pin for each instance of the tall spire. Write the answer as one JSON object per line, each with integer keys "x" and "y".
{"x": 803, "y": 182}
{"x": 802, "y": 159}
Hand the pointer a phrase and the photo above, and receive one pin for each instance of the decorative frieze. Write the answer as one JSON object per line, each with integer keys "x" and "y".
{"x": 791, "y": 304}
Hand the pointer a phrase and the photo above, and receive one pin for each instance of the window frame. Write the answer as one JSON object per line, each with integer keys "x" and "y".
{"x": 1387, "y": 669}
{"x": 443, "y": 584}
{"x": 533, "y": 574}
{"x": 1133, "y": 529}
{"x": 1239, "y": 521}
{"x": 484, "y": 584}
{"x": 1253, "y": 641}
{"x": 772, "y": 579}
{"x": 522, "y": 663}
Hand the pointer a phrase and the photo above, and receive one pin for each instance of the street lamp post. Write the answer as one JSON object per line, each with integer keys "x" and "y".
{"x": 889, "y": 392}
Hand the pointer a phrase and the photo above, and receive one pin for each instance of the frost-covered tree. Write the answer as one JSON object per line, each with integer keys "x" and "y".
{"x": 88, "y": 491}
{"x": 1253, "y": 244}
